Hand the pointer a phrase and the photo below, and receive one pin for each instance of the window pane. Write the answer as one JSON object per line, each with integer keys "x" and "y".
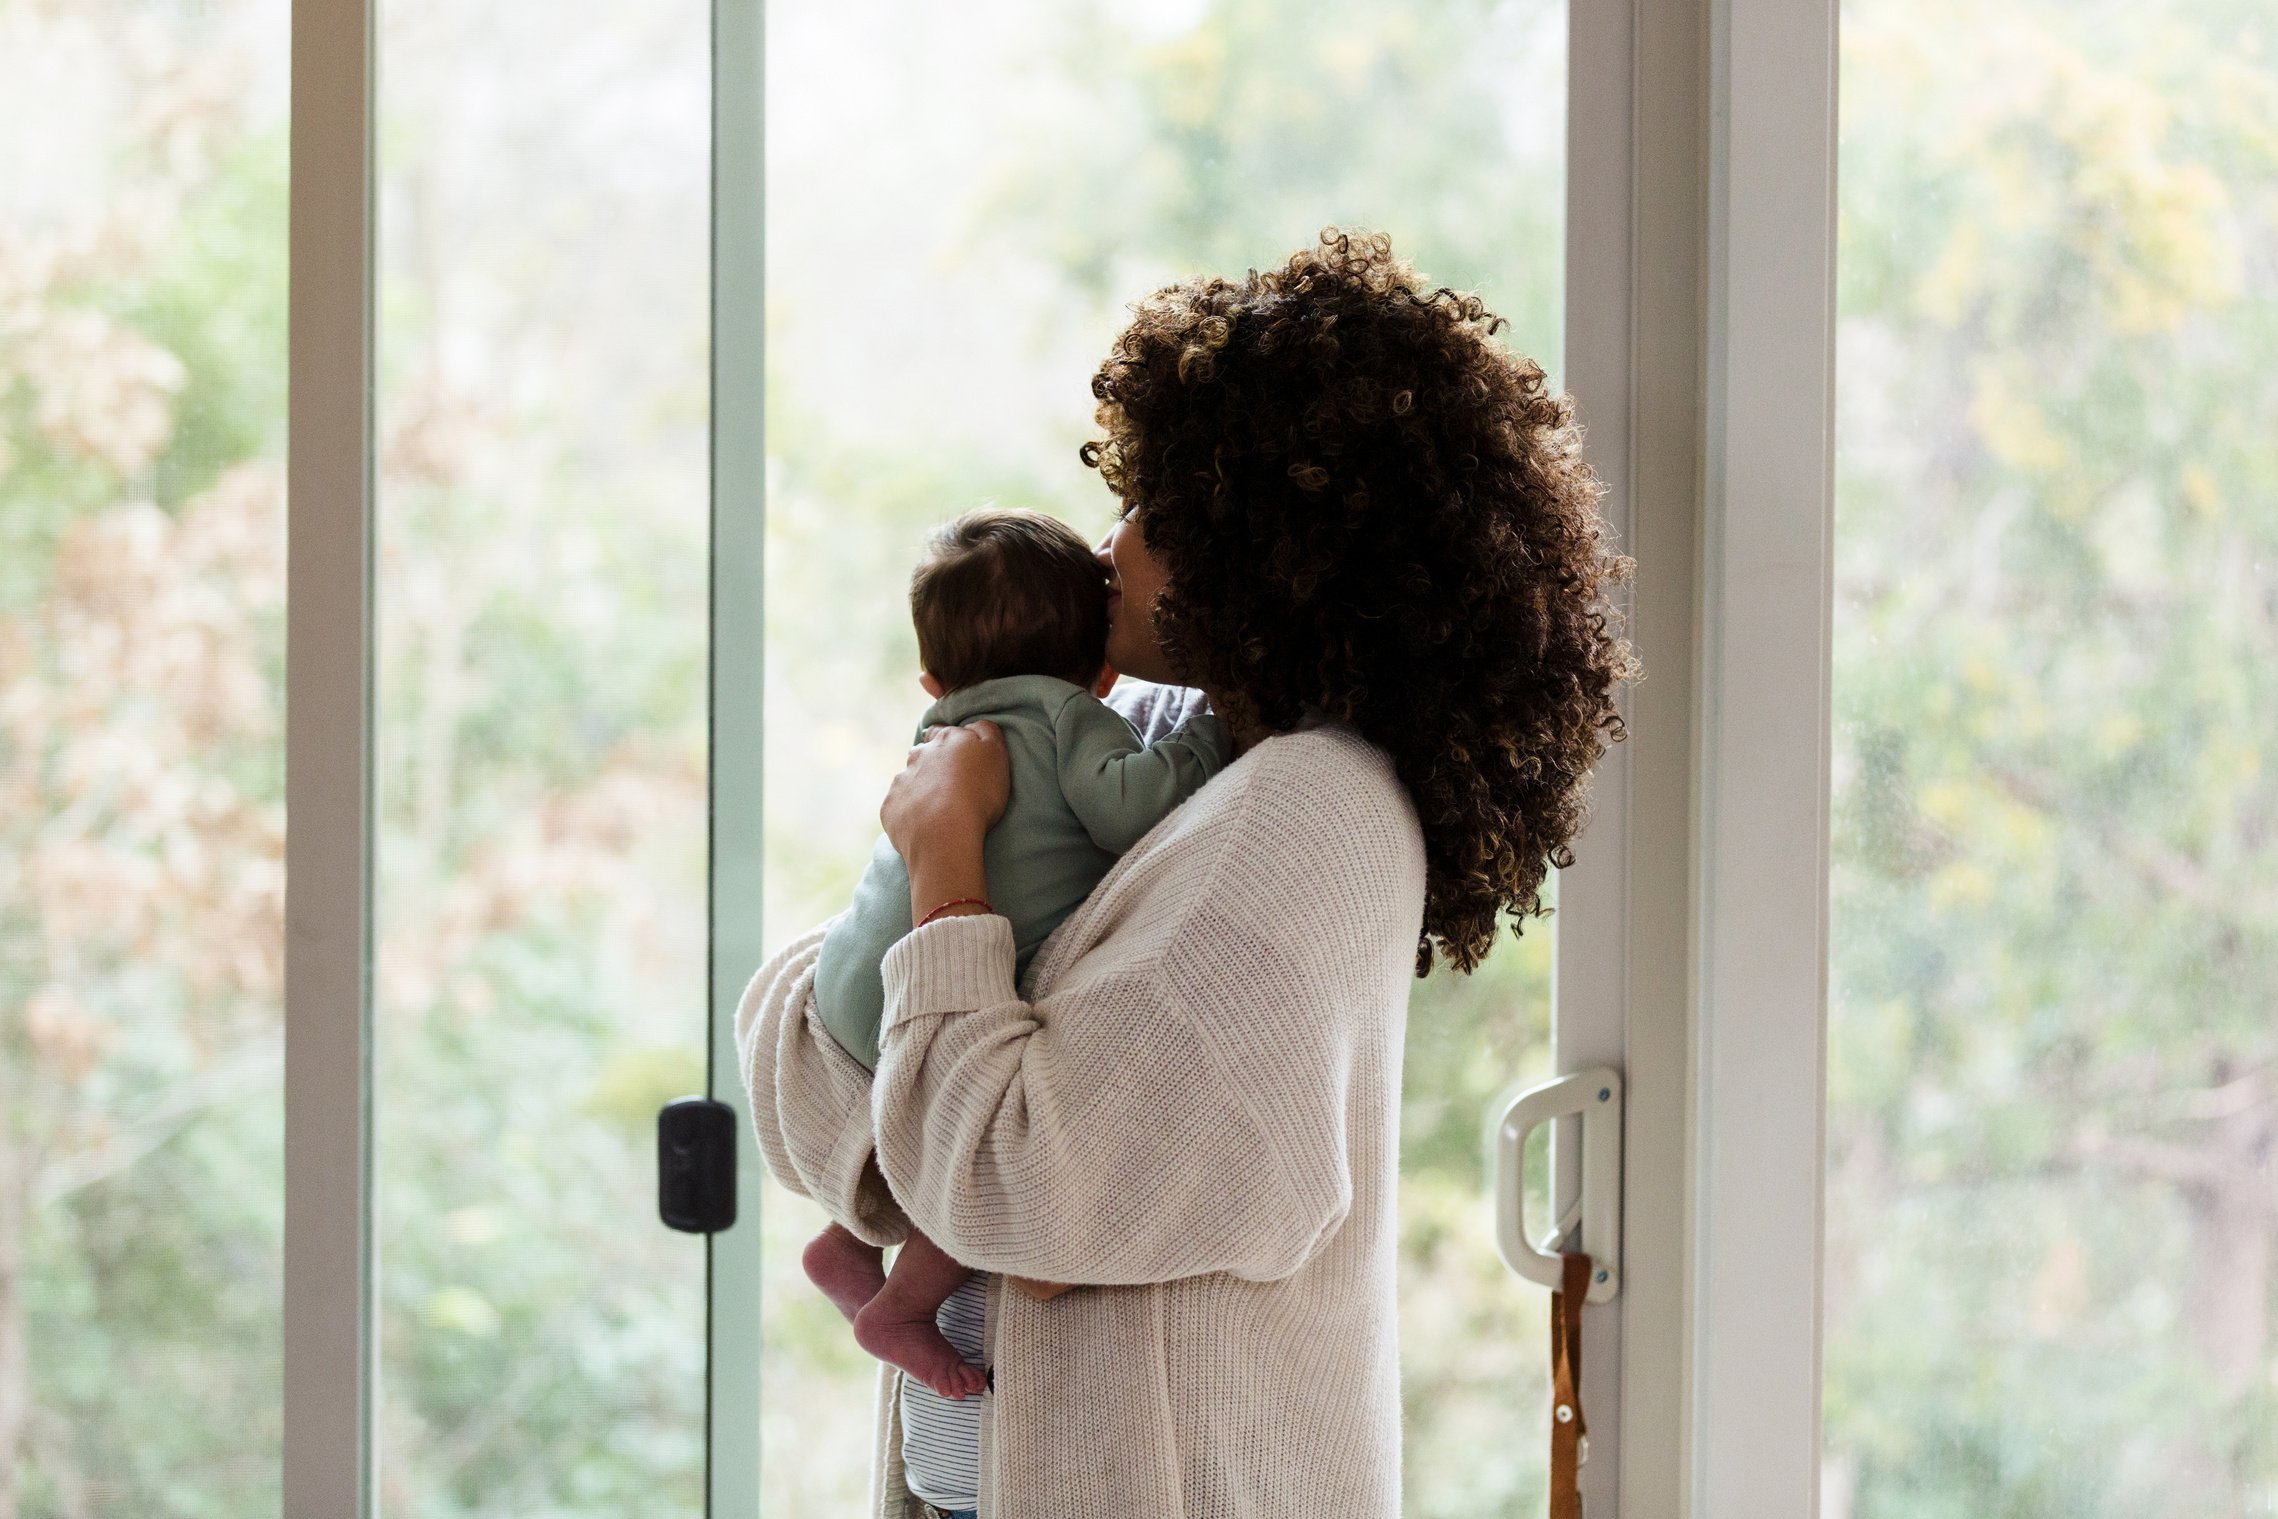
{"x": 142, "y": 412}
{"x": 540, "y": 977}
{"x": 2053, "y": 1111}
{"x": 962, "y": 201}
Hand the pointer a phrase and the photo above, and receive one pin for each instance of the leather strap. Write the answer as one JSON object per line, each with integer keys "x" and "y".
{"x": 1569, "y": 1436}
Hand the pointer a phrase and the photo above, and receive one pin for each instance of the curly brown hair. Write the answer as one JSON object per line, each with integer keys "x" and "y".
{"x": 1369, "y": 510}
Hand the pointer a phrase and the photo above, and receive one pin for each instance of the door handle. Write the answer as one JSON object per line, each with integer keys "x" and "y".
{"x": 1595, "y": 1096}
{"x": 696, "y": 1165}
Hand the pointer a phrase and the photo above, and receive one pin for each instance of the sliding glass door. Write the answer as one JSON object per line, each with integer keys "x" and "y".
{"x": 539, "y": 751}
{"x": 962, "y": 202}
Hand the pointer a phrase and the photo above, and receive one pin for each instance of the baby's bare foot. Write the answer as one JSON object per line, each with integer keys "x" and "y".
{"x": 848, "y": 1271}
{"x": 915, "y": 1343}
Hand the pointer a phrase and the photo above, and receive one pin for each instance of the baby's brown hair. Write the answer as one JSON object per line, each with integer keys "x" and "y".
{"x": 1007, "y": 592}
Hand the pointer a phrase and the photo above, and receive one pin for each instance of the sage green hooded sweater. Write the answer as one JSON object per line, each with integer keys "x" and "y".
{"x": 1085, "y": 788}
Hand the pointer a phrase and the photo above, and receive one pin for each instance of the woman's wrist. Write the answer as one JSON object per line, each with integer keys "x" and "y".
{"x": 957, "y": 907}
{"x": 953, "y": 879}
{"x": 939, "y": 810}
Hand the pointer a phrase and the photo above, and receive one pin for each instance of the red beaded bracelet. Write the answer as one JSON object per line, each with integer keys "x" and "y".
{"x": 959, "y": 902}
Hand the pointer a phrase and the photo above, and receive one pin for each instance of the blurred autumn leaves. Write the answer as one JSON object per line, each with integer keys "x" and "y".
{"x": 539, "y": 966}
{"x": 141, "y": 814}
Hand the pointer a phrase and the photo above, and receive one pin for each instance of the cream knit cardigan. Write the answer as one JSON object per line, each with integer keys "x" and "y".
{"x": 1194, "y": 1116}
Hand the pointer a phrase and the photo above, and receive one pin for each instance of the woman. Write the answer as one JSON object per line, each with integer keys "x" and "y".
{"x": 1366, "y": 532}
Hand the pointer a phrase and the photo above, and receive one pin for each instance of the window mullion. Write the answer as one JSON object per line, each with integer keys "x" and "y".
{"x": 1760, "y": 904}
{"x": 328, "y": 769}
{"x": 737, "y": 853}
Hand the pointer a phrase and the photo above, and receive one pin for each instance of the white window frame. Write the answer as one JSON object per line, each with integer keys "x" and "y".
{"x": 330, "y": 1372}
{"x": 1692, "y": 931}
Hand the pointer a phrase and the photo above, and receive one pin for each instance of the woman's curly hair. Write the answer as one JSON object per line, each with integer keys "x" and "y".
{"x": 1369, "y": 510}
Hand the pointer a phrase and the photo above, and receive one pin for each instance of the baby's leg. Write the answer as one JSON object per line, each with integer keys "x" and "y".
{"x": 849, "y": 1271}
{"x": 897, "y": 1325}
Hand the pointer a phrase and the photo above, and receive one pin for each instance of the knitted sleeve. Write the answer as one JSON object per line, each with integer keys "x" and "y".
{"x": 810, "y": 1100}
{"x": 1101, "y": 1135}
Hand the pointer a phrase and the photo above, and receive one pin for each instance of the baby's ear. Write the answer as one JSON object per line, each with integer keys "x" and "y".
{"x": 1105, "y": 683}
{"x": 933, "y": 686}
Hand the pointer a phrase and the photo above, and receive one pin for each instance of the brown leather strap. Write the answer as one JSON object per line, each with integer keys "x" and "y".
{"x": 1567, "y": 1431}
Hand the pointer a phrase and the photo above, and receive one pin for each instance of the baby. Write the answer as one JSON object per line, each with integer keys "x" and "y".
{"x": 1011, "y": 614}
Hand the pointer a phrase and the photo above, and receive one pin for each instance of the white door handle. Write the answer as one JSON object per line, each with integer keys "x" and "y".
{"x": 1595, "y": 1096}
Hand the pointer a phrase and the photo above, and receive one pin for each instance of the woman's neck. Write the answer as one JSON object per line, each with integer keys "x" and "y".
{"x": 1246, "y": 734}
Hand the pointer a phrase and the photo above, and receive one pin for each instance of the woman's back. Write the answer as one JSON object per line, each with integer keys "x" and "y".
{"x": 1204, "y": 1126}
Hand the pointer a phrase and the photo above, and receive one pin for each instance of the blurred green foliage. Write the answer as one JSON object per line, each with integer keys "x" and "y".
{"x": 2053, "y": 1112}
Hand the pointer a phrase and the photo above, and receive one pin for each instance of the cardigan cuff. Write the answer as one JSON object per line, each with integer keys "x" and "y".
{"x": 952, "y": 965}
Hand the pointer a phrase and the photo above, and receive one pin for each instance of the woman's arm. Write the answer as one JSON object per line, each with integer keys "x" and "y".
{"x": 1102, "y": 1135}
{"x": 1159, "y": 1122}
{"x": 938, "y": 813}
{"x": 810, "y": 1100}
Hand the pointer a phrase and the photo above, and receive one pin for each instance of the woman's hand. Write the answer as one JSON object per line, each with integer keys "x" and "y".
{"x": 940, "y": 809}
{"x": 1043, "y": 1292}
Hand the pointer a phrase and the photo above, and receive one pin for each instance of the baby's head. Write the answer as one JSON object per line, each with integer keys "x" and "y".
{"x": 1003, "y": 592}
